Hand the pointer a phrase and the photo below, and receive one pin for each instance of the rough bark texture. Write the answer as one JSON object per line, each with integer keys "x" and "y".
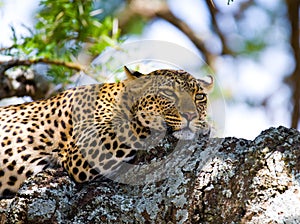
{"x": 213, "y": 181}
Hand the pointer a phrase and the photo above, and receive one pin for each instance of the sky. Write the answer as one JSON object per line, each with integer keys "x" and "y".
{"x": 10, "y": 8}
{"x": 241, "y": 78}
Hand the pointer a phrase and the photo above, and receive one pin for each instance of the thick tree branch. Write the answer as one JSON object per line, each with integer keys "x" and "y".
{"x": 27, "y": 87}
{"x": 293, "y": 12}
{"x": 213, "y": 181}
{"x": 23, "y": 83}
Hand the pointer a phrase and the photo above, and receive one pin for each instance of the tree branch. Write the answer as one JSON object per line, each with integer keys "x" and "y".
{"x": 213, "y": 12}
{"x": 213, "y": 181}
{"x": 27, "y": 87}
{"x": 21, "y": 85}
{"x": 7, "y": 48}
{"x": 166, "y": 14}
{"x": 161, "y": 10}
{"x": 5, "y": 65}
{"x": 293, "y": 13}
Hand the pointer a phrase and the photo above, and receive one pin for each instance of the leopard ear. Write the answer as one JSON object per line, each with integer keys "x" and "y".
{"x": 131, "y": 75}
{"x": 208, "y": 86}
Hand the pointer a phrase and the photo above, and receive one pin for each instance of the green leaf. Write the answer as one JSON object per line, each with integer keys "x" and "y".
{"x": 63, "y": 27}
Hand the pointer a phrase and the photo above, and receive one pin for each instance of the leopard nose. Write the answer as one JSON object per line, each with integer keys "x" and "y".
{"x": 189, "y": 115}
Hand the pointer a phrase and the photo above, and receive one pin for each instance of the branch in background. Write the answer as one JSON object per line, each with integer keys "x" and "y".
{"x": 213, "y": 13}
{"x": 5, "y": 65}
{"x": 27, "y": 87}
{"x": 166, "y": 14}
{"x": 22, "y": 83}
{"x": 7, "y": 48}
{"x": 293, "y": 13}
{"x": 161, "y": 10}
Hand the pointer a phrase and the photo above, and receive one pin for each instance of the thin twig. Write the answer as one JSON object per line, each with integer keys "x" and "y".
{"x": 5, "y": 65}
{"x": 213, "y": 13}
{"x": 7, "y": 48}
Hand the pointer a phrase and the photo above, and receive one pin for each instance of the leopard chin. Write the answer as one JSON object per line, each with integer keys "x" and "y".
{"x": 184, "y": 134}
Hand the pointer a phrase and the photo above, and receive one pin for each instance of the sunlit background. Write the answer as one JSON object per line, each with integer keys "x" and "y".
{"x": 252, "y": 81}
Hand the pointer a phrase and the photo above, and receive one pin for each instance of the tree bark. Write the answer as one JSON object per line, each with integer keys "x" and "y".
{"x": 212, "y": 181}
{"x": 19, "y": 84}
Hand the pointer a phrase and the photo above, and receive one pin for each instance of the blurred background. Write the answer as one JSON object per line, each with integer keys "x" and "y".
{"x": 251, "y": 46}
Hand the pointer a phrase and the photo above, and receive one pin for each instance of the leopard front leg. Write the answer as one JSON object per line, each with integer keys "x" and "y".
{"x": 15, "y": 169}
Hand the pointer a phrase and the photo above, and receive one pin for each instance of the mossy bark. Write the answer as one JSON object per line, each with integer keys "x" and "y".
{"x": 213, "y": 181}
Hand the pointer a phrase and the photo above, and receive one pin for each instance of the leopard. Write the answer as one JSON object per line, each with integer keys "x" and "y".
{"x": 91, "y": 130}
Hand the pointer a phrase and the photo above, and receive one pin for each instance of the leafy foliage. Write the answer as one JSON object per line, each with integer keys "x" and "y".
{"x": 63, "y": 30}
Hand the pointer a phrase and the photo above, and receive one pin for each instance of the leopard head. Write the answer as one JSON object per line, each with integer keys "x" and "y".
{"x": 168, "y": 100}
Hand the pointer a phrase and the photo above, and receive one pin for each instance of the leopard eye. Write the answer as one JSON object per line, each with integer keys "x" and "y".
{"x": 168, "y": 93}
{"x": 201, "y": 97}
